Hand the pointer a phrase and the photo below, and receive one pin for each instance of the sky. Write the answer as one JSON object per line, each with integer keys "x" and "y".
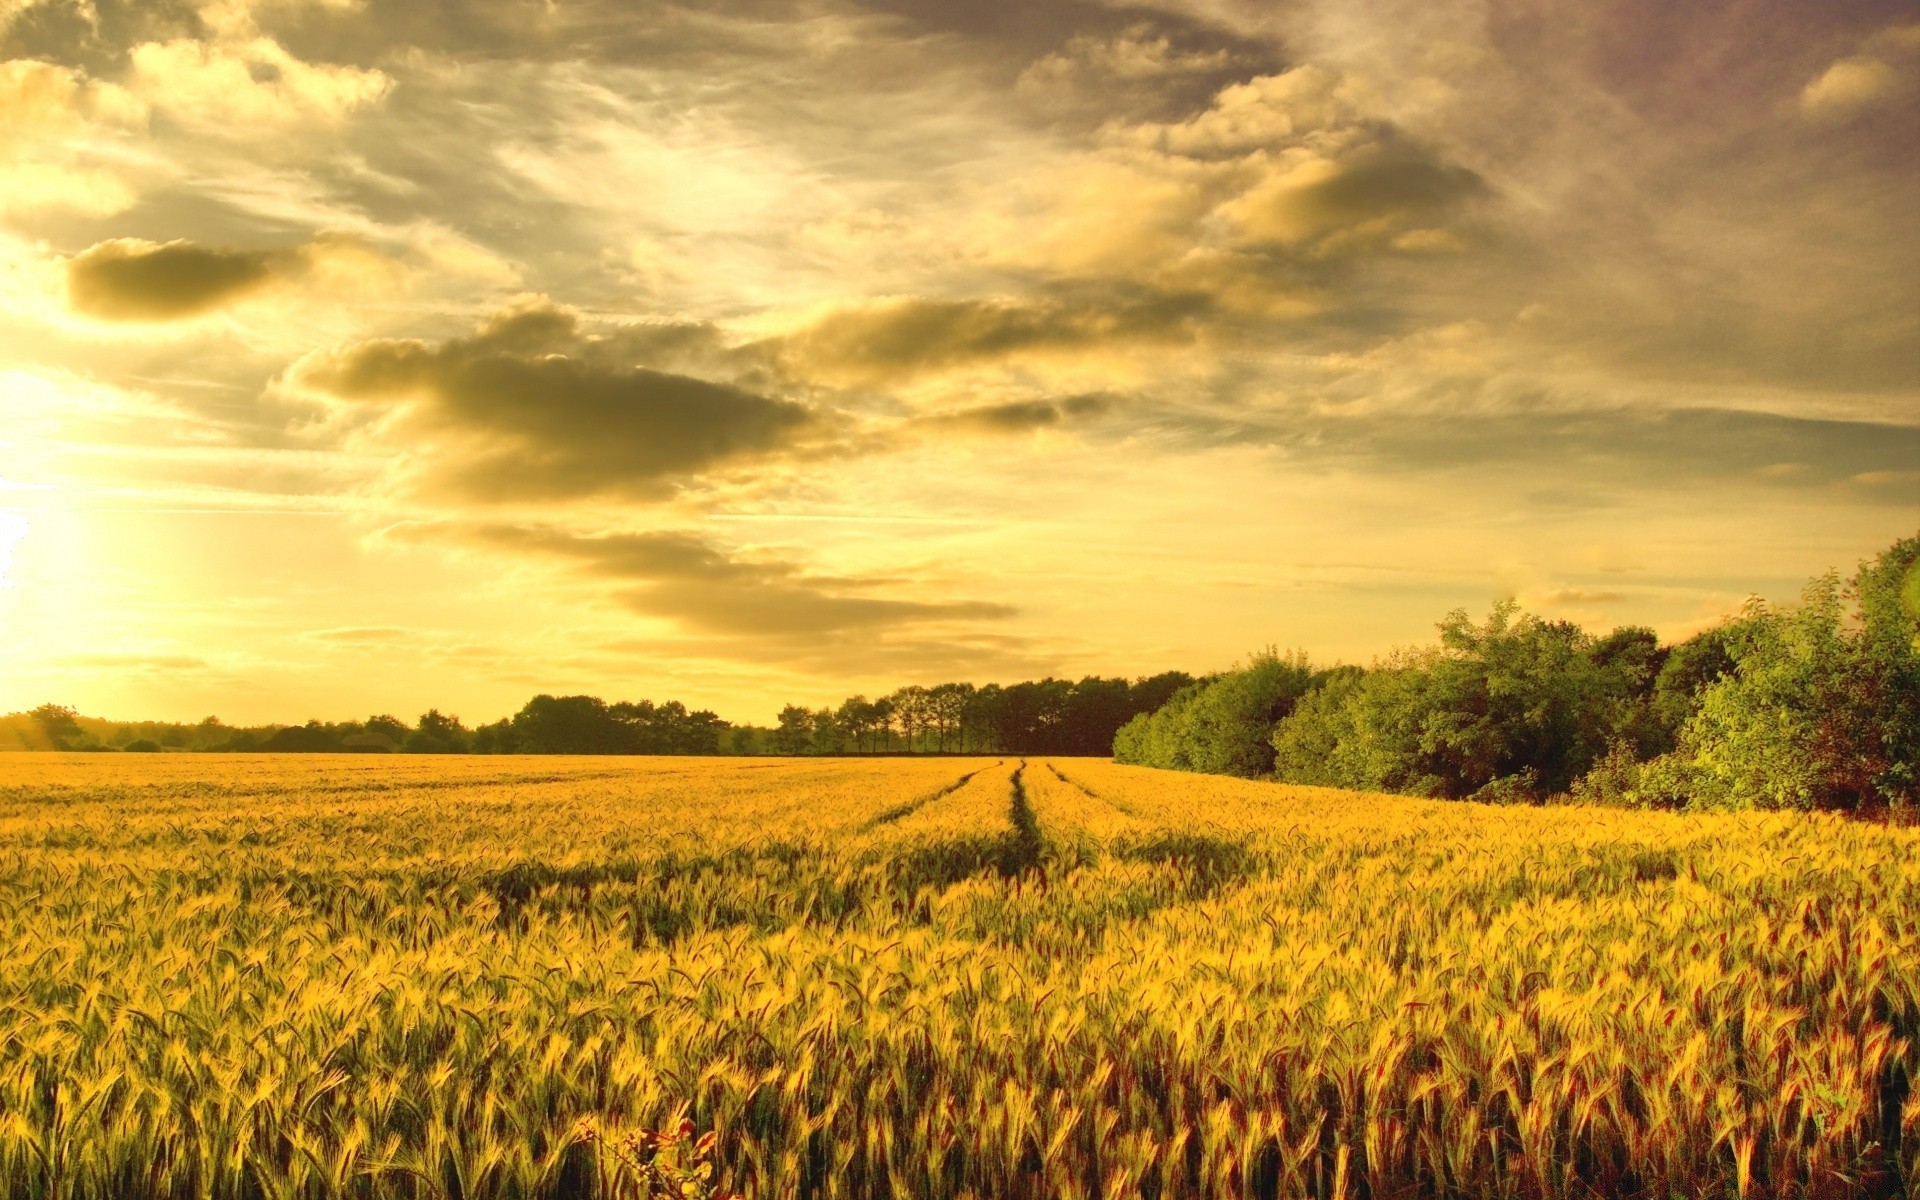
{"x": 370, "y": 355}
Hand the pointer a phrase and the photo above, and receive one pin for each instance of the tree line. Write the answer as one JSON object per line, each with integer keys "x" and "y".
{"x": 544, "y": 725}
{"x": 1814, "y": 705}
{"x": 1046, "y": 716}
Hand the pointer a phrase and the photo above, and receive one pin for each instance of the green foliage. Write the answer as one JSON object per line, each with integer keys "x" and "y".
{"x": 1691, "y": 667}
{"x": 1821, "y": 708}
{"x": 1046, "y": 716}
{"x": 589, "y": 725}
{"x": 1513, "y": 708}
{"x": 1615, "y": 778}
{"x": 1521, "y": 787}
{"x": 57, "y": 725}
{"x": 794, "y": 732}
{"x": 1221, "y": 726}
{"x": 439, "y": 734}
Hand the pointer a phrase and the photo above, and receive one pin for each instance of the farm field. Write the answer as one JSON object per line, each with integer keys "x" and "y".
{"x": 418, "y": 976}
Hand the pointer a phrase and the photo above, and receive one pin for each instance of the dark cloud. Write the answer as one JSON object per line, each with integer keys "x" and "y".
{"x": 1020, "y": 416}
{"x": 533, "y": 407}
{"x": 686, "y": 579}
{"x": 130, "y": 280}
{"x": 893, "y": 339}
{"x": 1386, "y": 182}
{"x": 1376, "y": 196}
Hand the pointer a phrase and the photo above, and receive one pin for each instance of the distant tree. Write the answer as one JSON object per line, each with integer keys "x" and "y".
{"x": 143, "y": 746}
{"x": 910, "y": 711}
{"x": 829, "y": 733}
{"x": 446, "y": 730}
{"x": 946, "y": 710}
{"x": 495, "y": 738}
{"x": 311, "y": 738}
{"x": 855, "y": 717}
{"x": 58, "y": 724}
{"x": 566, "y": 725}
{"x": 437, "y": 733}
{"x": 883, "y": 717}
{"x": 392, "y": 728}
{"x": 239, "y": 742}
{"x": 794, "y": 733}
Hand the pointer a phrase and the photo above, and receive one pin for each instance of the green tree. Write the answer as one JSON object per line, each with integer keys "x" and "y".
{"x": 59, "y": 725}
{"x": 437, "y": 733}
{"x": 1822, "y": 708}
{"x": 794, "y": 733}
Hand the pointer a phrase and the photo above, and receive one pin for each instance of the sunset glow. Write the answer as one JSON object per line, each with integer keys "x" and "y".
{"x": 363, "y": 355}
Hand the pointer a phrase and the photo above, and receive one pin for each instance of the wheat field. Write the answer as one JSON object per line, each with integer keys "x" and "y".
{"x": 287, "y": 976}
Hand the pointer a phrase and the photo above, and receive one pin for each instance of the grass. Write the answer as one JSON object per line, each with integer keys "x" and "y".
{"x": 286, "y": 977}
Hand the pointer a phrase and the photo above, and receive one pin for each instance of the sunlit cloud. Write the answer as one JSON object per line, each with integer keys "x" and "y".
{"x": 766, "y": 347}
{"x": 1884, "y": 73}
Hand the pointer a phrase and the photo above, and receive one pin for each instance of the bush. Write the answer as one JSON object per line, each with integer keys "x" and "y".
{"x": 1615, "y": 779}
{"x": 1522, "y": 787}
{"x": 143, "y": 746}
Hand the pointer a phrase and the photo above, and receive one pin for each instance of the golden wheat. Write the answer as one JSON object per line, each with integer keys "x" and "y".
{"x": 290, "y": 977}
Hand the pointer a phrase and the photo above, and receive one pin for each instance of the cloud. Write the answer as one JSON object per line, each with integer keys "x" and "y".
{"x": 889, "y": 340}
{"x": 1263, "y": 204}
{"x": 57, "y": 140}
{"x": 248, "y": 87}
{"x": 531, "y": 406}
{"x": 1848, "y": 86}
{"x": 1859, "y": 82}
{"x": 1364, "y": 198}
{"x": 131, "y": 280}
{"x": 1019, "y": 416}
{"x": 1259, "y": 113}
{"x": 686, "y": 579}
{"x": 1138, "y": 53}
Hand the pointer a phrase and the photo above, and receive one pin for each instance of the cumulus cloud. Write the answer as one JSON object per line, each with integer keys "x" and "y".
{"x": 684, "y": 578}
{"x": 1260, "y": 204}
{"x": 532, "y": 406}
{"x": 1263, "y": 112}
